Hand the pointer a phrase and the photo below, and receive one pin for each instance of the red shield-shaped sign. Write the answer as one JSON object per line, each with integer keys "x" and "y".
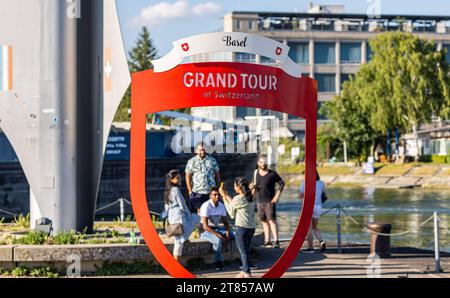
{"x": 185, "y": 47}
{"x": 279, "y": 51}
{"x": 175, "y": 89}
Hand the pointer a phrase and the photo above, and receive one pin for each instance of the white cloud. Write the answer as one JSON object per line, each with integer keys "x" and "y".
{"x": 208, "y": 8}
{"x": 164, "y": 11}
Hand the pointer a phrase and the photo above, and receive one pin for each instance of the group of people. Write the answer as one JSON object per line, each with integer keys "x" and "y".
{"x": 209, "y": 206}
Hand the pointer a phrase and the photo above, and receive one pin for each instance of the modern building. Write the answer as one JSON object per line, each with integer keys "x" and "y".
{"x": 329, "y": 45}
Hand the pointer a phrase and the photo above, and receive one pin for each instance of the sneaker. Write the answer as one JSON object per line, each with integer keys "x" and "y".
{"x": 323, "y": 246}
{"x": 253, "y": 267}
{"x": 219, "y": 266}
{"x": 309, "y": 251}
{"x": 277, "y": 244}
{"x": 240, "y": 275}
{"x": 268, "y": 244}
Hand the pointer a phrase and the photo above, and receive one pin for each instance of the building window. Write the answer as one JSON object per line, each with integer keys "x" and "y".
{"x": 325, "y": 53}
{"x": 250, "y": 25}
{"x": 350, "y": 53}
{"x": 272, "y": 113}
{"x": 447, "y": 57}
{"x": 299, "y": 52}
{"x": 238, "y": 25}
{"x": 326, "y": 82}
{"x": 368, "y": 53}
{"x": 345, "y": 77}
{"x": 242, "y": 112}
{"x": 245, "y": 57}
{"x": 267, "y": 60}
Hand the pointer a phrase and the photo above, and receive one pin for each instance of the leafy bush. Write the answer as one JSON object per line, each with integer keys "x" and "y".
{"x": 66, "y": 238}
{"x": 442, "y": 159}
{"x": 19, "y": 272}
{"x": 46, "y": 272}
{"x": 32, "y": 238}
{"x": 121, "y": 268}
{"x": 22, "y": 221}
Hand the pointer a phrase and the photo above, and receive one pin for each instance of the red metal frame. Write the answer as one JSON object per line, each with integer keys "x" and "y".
{"x": 157, "y": 92}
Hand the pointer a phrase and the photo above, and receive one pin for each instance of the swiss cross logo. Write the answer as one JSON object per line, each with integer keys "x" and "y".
{"x": 279, "y": 51}
{"x": 185, "y": 47}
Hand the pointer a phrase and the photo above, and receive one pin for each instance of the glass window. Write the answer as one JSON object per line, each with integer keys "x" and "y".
{"x": 272, "y": 113}
{"x": 325, "y": 53}
{"x": 267, "y": 60}
{"x": 447, "y": 57}
{"x": 245, "y": 57}
{"x": 242, "y": 112}
{"x": 299, "y": 52}
{"x": 345, "y": 77}
{"x": 350, "y": 52}
{"x": 326, "y": 82}
{"x": 368, "y": 53}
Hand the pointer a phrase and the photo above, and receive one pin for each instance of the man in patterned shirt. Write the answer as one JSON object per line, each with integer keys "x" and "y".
{"x": 202, "y": 174}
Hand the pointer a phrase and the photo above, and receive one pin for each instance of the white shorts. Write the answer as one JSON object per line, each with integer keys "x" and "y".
{"x": 317, "y": 212}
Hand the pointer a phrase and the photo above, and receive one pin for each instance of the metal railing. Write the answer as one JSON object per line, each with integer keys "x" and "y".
{"x": 437, "y": 221}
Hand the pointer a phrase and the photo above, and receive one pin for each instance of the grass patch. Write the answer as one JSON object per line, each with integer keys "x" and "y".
{"x": 425, "y": 171}
{"x": 335, "y": 171}
{"x": 395, "y": 169}
{"x": 291, "y": 168}
{"x": 445, "y": 173}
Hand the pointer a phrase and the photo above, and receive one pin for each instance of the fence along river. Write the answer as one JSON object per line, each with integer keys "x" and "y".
{"x": 405, "y": 209}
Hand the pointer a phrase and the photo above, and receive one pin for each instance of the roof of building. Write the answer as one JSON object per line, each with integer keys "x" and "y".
{"x": 304, "y": 15}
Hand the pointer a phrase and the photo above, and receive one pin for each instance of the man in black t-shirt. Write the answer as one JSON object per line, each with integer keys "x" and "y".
{"x": 264, "y": 187}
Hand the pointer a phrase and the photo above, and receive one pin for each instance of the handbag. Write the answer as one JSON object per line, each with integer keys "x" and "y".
{"x": 324, "y": 197}
{"x": 174, "y": 230}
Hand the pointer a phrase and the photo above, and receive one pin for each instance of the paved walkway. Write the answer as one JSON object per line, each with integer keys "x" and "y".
{"x": 352, "y": 263}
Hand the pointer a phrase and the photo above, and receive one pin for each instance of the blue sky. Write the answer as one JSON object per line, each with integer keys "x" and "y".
{"x": 169, "y": 20}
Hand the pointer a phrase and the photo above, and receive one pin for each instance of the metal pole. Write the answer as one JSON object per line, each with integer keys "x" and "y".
{"x": 437, "y": 258}
{"x": 345, "y": 152}
{"x": 338, "y": 224}
{"x": 122, "y": 209}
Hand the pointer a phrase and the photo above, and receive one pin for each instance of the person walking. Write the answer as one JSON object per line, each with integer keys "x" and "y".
{"x": 314, "y": 227}
{"x": 212, "y": 214}
{"x": 242, "y": 209}
{"x": 202, "y": 174}
{"x": 177, "y": 211}
{"x": 267, "y": 196}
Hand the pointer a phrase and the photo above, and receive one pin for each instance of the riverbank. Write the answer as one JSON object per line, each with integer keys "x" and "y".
{"x": 412, "y": 175}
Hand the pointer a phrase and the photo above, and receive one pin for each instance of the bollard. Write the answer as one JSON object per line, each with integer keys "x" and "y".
{"x": 437, "y": 259}
{"x": 380, "y": 244}
{"x": 122, "y": 209}
{"x": 338, "y": 226}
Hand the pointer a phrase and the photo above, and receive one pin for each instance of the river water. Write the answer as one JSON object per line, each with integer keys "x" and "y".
{"x": 404, "y": 209}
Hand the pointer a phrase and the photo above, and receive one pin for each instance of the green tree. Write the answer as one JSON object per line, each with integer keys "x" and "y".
{"x": 351, "y": 123}
{"x": 140, "y": 57}
{"x": 404, "y": 85}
